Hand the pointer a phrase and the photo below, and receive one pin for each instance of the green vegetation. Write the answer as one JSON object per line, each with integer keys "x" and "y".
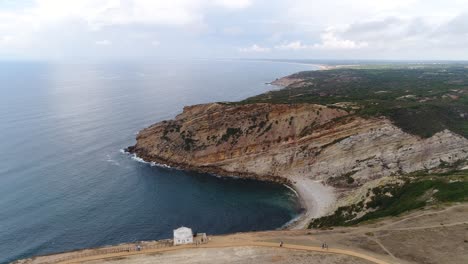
{"x": 170, "y": 128}
{"x": 234, "y": 133}
{"x": 421, "y": 99}
{"x": 189, "y": 142}
{"x": 344, "y": 180}
{"x": 391, "y": 200}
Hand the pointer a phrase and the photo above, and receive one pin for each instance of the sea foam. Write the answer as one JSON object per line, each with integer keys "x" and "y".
{"x": 134, "y": 157}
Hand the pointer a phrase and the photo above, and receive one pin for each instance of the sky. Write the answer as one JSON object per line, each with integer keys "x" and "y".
{"x": 297, "y": 29}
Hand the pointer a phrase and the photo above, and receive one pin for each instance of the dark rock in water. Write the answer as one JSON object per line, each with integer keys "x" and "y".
{"x": 130, "y": 149}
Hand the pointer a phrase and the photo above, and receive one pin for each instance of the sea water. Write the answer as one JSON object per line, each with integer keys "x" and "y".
{"x": 65, "y": 183}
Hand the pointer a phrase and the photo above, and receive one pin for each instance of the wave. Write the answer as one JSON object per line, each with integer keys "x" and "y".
{"x": 134, "y": 157}
{"x": 292, "y": 222}
{"x": 111, "y": 161}
{"x": 292, "y": 189}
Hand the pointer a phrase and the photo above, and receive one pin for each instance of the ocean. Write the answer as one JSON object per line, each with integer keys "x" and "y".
{"x": 65, "y": 183}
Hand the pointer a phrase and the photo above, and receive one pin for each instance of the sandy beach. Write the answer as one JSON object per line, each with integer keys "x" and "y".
{"x": 316, "y": 198}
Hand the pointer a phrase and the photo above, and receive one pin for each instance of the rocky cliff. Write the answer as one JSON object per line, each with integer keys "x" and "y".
{"x": 282, "y": 142}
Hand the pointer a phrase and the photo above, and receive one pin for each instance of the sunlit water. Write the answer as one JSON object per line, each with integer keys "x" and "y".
{"x": 65, "y": 185}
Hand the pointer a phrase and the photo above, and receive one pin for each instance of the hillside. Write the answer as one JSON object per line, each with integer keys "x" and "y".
{"x": 422, "y": 100}
{"x": 355, "y": 130}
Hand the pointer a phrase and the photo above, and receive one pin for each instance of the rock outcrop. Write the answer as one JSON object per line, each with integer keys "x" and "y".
{"x": 280, "y": 141}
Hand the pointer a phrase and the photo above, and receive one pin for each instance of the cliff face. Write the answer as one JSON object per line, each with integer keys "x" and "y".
{"x": 281, "y": 142}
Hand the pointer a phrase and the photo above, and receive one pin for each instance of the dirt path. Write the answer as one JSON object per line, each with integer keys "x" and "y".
{"x": 418, "y": 215}
{"x": 385, "y": 249}
{"x": 232, "y": 244}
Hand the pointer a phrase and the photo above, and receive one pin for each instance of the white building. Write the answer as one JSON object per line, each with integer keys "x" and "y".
{"x": 183, "y": 235}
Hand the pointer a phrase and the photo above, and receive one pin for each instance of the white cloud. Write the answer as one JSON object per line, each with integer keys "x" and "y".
{"x": 101, "y": 13}
{"x": 155, "y": 43}
{"x": 232, "y": 31}
{"x": 233, "y": 4}
{"x": 330, "y": 40}
{"x": 5, "y": 39}
{"x": 370, "y": 28}
{"x": 98, "y": 13}
{"x": 295, "y": 45}
{"x": 255, "y": 48}
{"x": 104, "y": 42}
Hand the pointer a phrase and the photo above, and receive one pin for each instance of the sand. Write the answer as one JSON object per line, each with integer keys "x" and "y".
{"x": 316, "y": 198}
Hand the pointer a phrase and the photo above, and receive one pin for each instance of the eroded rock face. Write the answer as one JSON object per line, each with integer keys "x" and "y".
{"x": 280, "y": 141}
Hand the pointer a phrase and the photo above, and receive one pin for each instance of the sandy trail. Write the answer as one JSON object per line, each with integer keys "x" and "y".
{"x": 316, "y": 198}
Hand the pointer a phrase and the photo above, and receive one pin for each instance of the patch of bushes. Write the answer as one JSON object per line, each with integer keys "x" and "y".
{"x": 344, "y": 180}
{"x": 230, "y": 133}
{"x": 394, "y": 199}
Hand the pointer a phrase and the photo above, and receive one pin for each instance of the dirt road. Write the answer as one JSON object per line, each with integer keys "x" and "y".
{"x": 229, "y": 245}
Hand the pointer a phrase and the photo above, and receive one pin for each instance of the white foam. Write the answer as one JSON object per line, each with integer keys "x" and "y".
{"x": 292, "y": 189}
{"x": 151, "y": 163}
{"x": 292, "y": 221}
{"x": 136, "y": 158}
{"x": 111, "y": 161}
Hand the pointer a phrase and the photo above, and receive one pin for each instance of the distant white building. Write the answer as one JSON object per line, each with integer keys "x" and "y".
{"x": 183, "y": 235}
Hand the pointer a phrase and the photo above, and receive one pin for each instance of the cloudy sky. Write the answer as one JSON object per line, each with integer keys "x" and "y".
{"x": 308, "y": 29}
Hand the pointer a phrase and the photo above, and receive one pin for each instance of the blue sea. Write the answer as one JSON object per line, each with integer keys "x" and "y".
{"x": 65, "y": 183}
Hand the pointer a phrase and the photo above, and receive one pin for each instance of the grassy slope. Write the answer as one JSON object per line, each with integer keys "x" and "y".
{"x": 417, "y": 190}
{"x": 422, "y": 101}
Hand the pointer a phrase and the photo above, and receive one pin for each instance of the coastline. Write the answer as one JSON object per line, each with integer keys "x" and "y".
{"x": 315, "y": 198}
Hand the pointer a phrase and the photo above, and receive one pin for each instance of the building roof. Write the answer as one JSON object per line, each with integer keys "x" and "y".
{"x": 183, "y": 232}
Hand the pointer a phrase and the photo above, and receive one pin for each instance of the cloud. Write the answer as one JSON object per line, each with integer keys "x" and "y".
{"x": 211, "y": 28}
{"x": 104, "y": 42}
{"x": 101, "y": 13}
{"x": 155, "y": 43}
{"x": 233, "y": 4}
{"x": 330, "y": 40}
{"x": 6, "y": 39}
{"x": 232, "y": 31}
{"x": 255, "y": 48}
{"x": 458, "y": 25}
{"x": 388, "y": 29}
{"x": 295, "y": 45}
